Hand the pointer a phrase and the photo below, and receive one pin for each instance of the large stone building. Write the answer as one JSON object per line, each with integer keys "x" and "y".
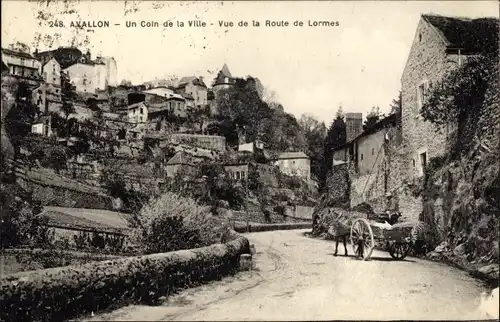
{"x": 48, "y": 96}
{"x": 440, "y": 45}
{"x": 196, "y": 88}
{"x": 86, "y": 74}
{"x": 22, "y": 65}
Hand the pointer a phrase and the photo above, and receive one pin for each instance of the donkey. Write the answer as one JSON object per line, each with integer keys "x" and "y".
{"x": 338, "y": 229}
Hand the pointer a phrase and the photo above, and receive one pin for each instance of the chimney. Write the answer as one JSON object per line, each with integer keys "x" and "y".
{"x": 87, "y": 55}
{"x": 354, "y": 125}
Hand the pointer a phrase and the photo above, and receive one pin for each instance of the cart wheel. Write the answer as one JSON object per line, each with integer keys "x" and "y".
{"x": 362, "y": 238}
{"x": 399, "y": 250}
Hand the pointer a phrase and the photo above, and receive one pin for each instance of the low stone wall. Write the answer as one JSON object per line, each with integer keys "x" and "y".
{"x": 258, "y": 217}
{"x": 211, "y": 142}
{"x": 61, "y": 293}
{"x": 63, "y": 193}
{"x": 303, "y": 213}
{"x": 242, "y": 228}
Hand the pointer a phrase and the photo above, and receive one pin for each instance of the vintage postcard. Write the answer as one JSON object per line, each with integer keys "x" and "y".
{"x": 249, "y": 160}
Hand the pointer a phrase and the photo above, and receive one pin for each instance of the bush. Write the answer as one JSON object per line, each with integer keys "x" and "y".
{"x": 21, "y": 222}
{"x": 59, "y": 293}
{"x": 172, "y": 222}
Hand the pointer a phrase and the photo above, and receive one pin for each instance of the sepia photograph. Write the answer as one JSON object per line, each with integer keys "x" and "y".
{"x": 249, "y": 160}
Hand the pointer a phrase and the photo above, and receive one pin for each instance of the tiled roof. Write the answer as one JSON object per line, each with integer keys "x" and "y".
{"x": 65, "y": 56}
{"x": 135, "y": 105}
{"x": 181, "y": 157}
{"x": 16, "y": 53}
{"x": 225, "y": 71}
{"x": 196, "y": 81}
{"x": 472, "y": 35}
{"x": 186, "y": 79}
{"x": 42, "y": 119}
{"x": 292, "y": 155}
{"x": 188, "y": 96}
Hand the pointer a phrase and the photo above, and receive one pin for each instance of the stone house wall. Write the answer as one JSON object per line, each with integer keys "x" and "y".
{"x": 429, "y": 62}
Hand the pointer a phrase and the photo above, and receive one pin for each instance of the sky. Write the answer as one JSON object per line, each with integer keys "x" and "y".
{"x": 312, "y": 70}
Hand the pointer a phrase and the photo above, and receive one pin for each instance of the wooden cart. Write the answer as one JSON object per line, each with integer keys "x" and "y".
{"x": 366, "y": 234}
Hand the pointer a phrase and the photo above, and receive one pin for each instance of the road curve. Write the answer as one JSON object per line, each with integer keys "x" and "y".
{"x": 297, "y": 278}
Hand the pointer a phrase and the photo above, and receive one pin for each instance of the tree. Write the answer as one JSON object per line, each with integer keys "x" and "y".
{"x": 315, "y": 134}
{"x": 68, "y": 94}
{"x": 372, "y": 118}
{"x": 396, "y": 104}
{"x": 335, "y": 137}
{"x": 125, "y": 82}
{"x": 22, "y": 112}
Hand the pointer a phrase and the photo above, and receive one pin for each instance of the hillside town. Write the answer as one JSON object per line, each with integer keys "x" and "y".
{"x": 112, "y": 167}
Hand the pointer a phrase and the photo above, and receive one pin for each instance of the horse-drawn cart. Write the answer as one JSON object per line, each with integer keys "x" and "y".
{"x": 369, "y": 231}
{"x": 366, "y": 234}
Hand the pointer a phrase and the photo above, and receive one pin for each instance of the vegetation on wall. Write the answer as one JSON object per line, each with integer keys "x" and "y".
{"x": 467, "y": 178}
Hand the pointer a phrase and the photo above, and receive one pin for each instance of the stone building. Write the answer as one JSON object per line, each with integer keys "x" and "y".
{"x": 181, "y": 161}
{"x": 87, "y": 74}
{"x": 440, "y": 45}
{"x": 22, "y": 65}
{"x": 294, "y": 164}
{"x": 42, "y": 126}
{"x": 195, "y": 88}
{"x": 224, "y": 79}
{"x": 354, "y": 125}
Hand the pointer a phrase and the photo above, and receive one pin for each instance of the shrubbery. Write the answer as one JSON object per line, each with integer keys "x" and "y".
{"x": 172, "y": 222}
{"x": 21, "y": 223}
{"x": 63, "y": 293}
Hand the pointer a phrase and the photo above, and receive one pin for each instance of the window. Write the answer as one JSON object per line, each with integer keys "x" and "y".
{"x": 237, "y": 175}
{"x": 373, "y": 151}
{"x": 54, "y": 79}
{"x": 413, "y": 163}
{"x": 23, "y": 61}
{"x": 419, "y": 37}
{"x": 142, "y": 110}
{"x": 422, "y": 93}
{"x": 361, "y": 156}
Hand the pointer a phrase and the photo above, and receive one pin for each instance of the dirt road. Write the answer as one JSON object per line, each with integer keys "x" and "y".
{"x": 298, "y": 278}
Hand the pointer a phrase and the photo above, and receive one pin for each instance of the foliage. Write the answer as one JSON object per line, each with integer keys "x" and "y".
{"x": 20, "y": 115}
{"x": 125, "y": 82}
{"x": 219, "y": 186}
{"x": 99, "y": 241}
{"x": 68, "y": 93}
{"x": 61, "y": 294}
{"x": 372, "y": 118}
{"x": 460, "y": 99}
{"x": 315, "y": 135}
{"x": 173, "y": 222}
{"x": 467, "y": 178}
{"x": 21, "y": 222}
{"x": 396, "y": 104}
{"x": 36, "y": 259}
{"x": 335, "y": 137}
{"x": 46, "y": 151}
{"x": 115, "y": 185}
{"x": 243, "y": 112}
